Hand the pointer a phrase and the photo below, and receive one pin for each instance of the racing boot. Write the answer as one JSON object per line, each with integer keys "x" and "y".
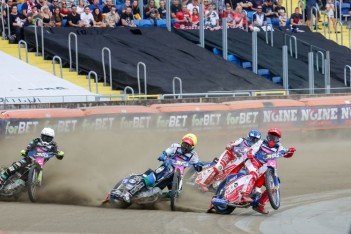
{"x": 260, "y": 207}
{"x": 247, "y": 189}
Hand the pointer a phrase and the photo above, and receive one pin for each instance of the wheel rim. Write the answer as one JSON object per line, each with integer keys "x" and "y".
{"x": 34, "y": 183}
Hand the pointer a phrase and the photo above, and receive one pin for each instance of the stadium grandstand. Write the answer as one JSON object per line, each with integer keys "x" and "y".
{"x": 160, "y": 58}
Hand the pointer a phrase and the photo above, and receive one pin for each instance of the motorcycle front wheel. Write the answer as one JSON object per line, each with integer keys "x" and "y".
{"x": 272, "y": 187}
{"x": 225, "y": 210}
{"x": 33, "y": 183}
{"x": 175, "y": 189}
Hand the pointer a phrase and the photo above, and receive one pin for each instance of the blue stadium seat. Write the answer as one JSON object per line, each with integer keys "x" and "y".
{"x": 288, "y": 22}
{"x": 250, "y": 15}
{"x": 217, "y": 51}
{"x": 19, "y": 8}
{"x": 275, "y": 22}
{"x": 136, "y": 22}
{"x": 345, "y": 10}
{"x": 264, "y": 72}
{"x": 161, "y": 23}
{"x": 233, "y": 59}
{"x": 247, "y": 65}
{"x": 144, "y": 23}
{"x": 277, "y": 80}
{"x": 269, "y": 20}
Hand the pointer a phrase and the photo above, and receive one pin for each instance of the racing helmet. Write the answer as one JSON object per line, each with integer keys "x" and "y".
{"x": 273, "y": 137}
{"x": 189, "y": 142}
{"x": 47, "y": 135}
{"x": 253, "y": 136}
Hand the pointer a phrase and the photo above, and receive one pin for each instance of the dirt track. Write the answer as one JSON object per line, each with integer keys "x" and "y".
{"x": 75, "y": 186}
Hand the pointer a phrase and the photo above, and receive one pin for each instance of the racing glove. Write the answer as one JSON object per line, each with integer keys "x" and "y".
{"x": 198, "y": 166}
{"x": 290, "y": 152}
{"x": 60, "y": 154}
{"x": 230, "y": 146}
{"x": 162, "y": 157}
{"x": 23, "y": 153}
{"x": 250, "y": 154}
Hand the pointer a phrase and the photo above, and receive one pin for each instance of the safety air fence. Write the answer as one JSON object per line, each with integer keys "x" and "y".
{"x": 287, "y": 114}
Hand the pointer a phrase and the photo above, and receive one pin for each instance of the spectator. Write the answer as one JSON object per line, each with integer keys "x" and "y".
{"x": 87, "y": 18}
{"x": 127, "y": 18}
{"x": 282, "y": 18}
{"x": 268, "y": 9}
{"x": 112, "y": 18}
{"x": 248, "y": 5}
{"x": 17, "y": 21}
{"x": 211, "y": 18}
{"x": 107, "y": 7}
{"x": 239, "y": 18}
{"x": 195, "y": 18}
{"x": 136, "y": 10}
{"x": 46, "y": 16}
{"x": 296, "y": 18}
{"x": 80, "y": 7}
{"x": 73, "y": 19}
{"x": 310, "y": 4}
{"x": 98, "y": 19}
{"x": 330, "y": 11}
{"x": 175, "y": 8}
{"x": 194, "y": 3}
{"x": 95, "y": 5}
{"x": 123, "y": 8}
{"x": 151, "y": 11}
{"x": 162, "y": 11}
{"x": 64, "y": 10}
{"x": 206, "y": 4}
{"x": 54, "y": 4}
{"x": 40, "y": 4}
{"x": 33, "y": 16}
{"x": 27, "y": 7}
{"x": 182, "y": 19}
{"x": 279, "y": 7}
{"x": 229, "y": 15}
{"x": 259, "y": 20}
{"x": 56, "y": 17}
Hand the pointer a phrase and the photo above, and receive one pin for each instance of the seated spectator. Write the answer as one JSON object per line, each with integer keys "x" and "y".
{"x": 33, "y": 16}
{"x": 40, "y": 4}
{"x": 206, "y": 4}
{"x": 211, "y": 18}
{"x": 4, "y": 6}
{"x": 259, "y": 20}
{"x": 95, "y": 5}
{"x": 229, "y": 14}
{"x": 56, "y": 17}
{"x": 54, "y": 4}
{"x": 296, "y": 18}
{"x": 150, "y": 11}
{"x": 268, "y": 9}
{"x": 175, "y": 8}
{"x": 191, "y": 5}
{"x": 112, "y": 18}
{"x": 330, "y": 11}
{"x": 64, "y": 10}
{"x": 279, "y": 7}
{"x": 136, "y": 10}
{"x": 80, "y": 7}
{"x": 248, "y": 5}
{"x": 282, "y": 18}
{"x": 46, "y": 16}
{"x": 87, "y": 18}
{"x": 98, "y": 19}
{"x": 17, "y": 21}
{"x": 195, "y": 18}
{"x": 127, "y": 18}
{"x": 27, "y": 7}
{"x": 123, "y": 8}
{"x": 182, "y": 19}
{"x": 73, "y": 19}
{"x": 162, "y": 11}
{"x": 107, "y": 7}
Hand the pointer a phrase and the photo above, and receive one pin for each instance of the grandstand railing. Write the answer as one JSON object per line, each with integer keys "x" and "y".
{"x": 138, "y": 76}
{"x": 56, "y": 57}
{"x": 70, "y": 35}
{"x": 96, "y": 81}
{"x": 109, "y": 64}
{"x": 24, "y": 43}
{"x": 347, "y": 68}
{"x": 37, "y": 21}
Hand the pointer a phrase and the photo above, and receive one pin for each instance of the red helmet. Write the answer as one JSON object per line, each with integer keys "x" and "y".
{"x": 273, "y": 137}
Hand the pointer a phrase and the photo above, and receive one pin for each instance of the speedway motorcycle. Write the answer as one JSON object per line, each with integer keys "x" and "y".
{"x": 29, "y": 178}
{"x": 132, "y": 190}
{"x": 228, "y": 195}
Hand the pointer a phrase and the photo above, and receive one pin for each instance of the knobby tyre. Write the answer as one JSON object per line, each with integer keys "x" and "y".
{"x": 175, "y": 189}
{"x": 272, "y": 187}
{"x": 222, "y": 209}
{"x": 118, "y": 203}
{"x": 33, "y": 183}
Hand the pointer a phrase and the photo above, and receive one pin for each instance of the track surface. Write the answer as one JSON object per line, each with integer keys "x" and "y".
{"x": 316, "y": 195}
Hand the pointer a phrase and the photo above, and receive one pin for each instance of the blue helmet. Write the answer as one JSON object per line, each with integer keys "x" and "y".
{"x": 254, "y": 136}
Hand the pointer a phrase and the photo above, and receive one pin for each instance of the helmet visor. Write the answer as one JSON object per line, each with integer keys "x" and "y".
{"x": 253, "y": 139}
{"x": 273, "y": 138}
{"x": 186, "y": 147}
{"x": 47, "y": 139}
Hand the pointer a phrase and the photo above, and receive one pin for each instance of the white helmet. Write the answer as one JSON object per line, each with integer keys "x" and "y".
{"x": 47, "y": 136}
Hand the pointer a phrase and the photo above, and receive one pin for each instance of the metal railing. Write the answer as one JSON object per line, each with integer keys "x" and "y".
{"x": 267, "y": 37}
{"x": 96, "y": 81}
{"x": 180, "y": 86}
{"x": 138, "y": 76}
{"x": 209, "y": 94}
{"x": 347, "y": 67}
{"x": 128, "y": 88}
{"x": 3, "y": 21}
{"x": 109, "y": 62}
{"x": 315, "y": 18}
{"x": 317, "y": 61}
{"x": 341, "y": 32}
{"x": 70, "y": 50}
{"x": 22, "y": 42}
{"x": 36, "y": 37}
{"x": 53, "y": 65}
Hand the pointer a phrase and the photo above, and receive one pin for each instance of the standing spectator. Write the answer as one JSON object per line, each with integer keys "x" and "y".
{"x": 310, "y": 5}
{"x": 17, "y": 21}
{"x": 330, "y": 11}
{"x": 98, "y": 20}
{"x": 54, "y": 4}
{"x": 127, "y": 18}
{"x": 162, "y": 11}
{"x": 195, "y": 18}
{"x": 64, "y": 10}
{"x": 191, "y": 5}
{"x": 80, "y": 7}
{"x": 211, "y": 18}
{"x": 56, "y": 17}
{"x": 87, "y": 18}
{"x": 268, "y": 9}
{"x": 259, "y": 20}
{"x": 151, "y": 11}
{"x": 94, "y": 5}
{"x": 107, "y": 7}
{"x": 27, "y": 7}
{"x": 175, "y": 8}
{"x": 296, "y": 18}
{"x": 46, "y": 16}
{"x": 136, "y": 10}
{"x": 112, "y": 17}
{"x": 73, "y": 19}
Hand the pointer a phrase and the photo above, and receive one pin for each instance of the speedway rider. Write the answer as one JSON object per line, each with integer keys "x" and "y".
{"x": 253, "y": 138}
{"x": 46, "y": 140}
{"x": 185, "y": 151}
{"x": 257, "y": 158}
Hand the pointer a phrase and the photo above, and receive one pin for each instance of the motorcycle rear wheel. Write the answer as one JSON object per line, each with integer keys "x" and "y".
{"x": 118, "y": 203}
{"x": 33, "y": 183}
{"x": 175, "y": 189}
{"x": 272, "y": 187}
{"x": 221, "y": 209}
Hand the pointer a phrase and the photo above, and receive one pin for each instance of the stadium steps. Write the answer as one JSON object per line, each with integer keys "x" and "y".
{"x": 46, "y": 65}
